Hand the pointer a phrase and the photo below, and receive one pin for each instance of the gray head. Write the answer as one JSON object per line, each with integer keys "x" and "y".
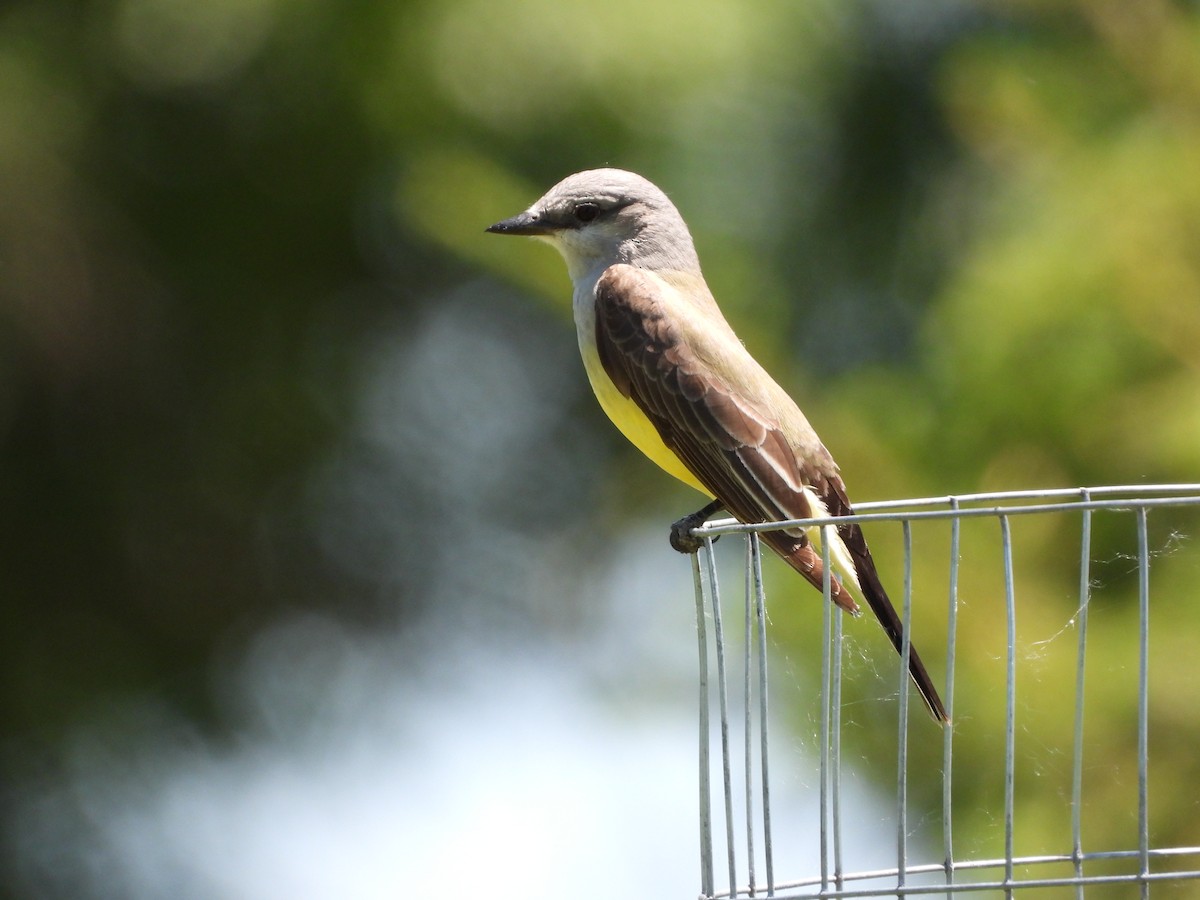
{"x": 605, "y": 216}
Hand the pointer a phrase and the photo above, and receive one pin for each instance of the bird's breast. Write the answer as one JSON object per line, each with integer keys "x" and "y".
{"x": 623, "y": 411}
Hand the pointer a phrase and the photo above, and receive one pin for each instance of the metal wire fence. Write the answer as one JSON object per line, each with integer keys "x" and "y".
{"x": 740, "y": 708}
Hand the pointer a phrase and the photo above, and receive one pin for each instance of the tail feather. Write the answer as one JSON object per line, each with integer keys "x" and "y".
{"x": 801, "y": 554}
{"x": 885, "y": 612}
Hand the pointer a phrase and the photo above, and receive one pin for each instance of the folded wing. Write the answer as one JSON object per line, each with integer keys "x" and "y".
{"x": 673, "y": 354}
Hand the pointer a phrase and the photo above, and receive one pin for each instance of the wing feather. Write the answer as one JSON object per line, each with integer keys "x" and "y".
{"x": 720, "y": 415}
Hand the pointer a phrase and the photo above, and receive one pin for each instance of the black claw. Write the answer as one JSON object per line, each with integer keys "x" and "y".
{"x": 682, "y": 538}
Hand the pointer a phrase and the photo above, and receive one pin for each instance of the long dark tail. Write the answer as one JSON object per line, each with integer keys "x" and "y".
{"x": 802, "y": 556}
{"x": 885, "y": 612}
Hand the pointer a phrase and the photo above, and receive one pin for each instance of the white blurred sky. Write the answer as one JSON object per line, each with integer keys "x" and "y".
{"x": 528, "y": 772}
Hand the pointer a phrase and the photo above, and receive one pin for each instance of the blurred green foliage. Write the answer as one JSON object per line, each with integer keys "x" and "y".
{"x": 968, "y": 234}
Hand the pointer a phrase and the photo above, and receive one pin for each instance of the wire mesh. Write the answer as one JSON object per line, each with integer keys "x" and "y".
{"x": 932, "y": 856}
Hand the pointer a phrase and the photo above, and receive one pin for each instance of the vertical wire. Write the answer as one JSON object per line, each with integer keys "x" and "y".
{"x": 706, "y": 860}
{"x": 1085, "y": 580}
{"x": 723, "y": 704}
{"x": 760, "y": 608}
{"x": 1010, "y": 704}
{"x": 902, "y": 736}
{"x": 948, "y": 731}
{"x": 1143, "y": 698}
{"x": 748, "y": 724}
{"x": 835, "y": 713}
{"x": 826, "y": 694}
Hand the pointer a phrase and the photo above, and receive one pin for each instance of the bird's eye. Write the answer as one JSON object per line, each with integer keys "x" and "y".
{"x": 586, "y": 212}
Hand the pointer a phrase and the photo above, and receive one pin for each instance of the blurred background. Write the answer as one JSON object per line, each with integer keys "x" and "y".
{"x": 322, "y": 575}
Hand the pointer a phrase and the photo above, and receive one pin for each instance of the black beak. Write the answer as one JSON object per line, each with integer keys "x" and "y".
{"x": 523, "y": 223}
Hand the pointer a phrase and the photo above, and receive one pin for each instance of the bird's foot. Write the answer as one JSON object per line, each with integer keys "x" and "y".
{"x": 682, "y": 538}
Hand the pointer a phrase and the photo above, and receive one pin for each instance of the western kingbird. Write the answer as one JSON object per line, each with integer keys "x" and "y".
{"x": 674, "y": 378}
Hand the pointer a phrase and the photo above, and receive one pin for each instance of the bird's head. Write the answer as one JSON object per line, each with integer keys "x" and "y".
{"x": 605, "y": 216}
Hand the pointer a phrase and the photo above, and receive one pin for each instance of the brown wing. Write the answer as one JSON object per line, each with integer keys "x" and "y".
{"x": 719, "y": 422}
{"x": 726, "y": 436}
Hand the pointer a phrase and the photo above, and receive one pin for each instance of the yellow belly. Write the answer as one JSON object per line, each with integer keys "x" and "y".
{"x": 633, "y": 423}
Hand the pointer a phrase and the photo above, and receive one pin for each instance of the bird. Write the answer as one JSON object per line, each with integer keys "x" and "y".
{"x": 669, "y": 371}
